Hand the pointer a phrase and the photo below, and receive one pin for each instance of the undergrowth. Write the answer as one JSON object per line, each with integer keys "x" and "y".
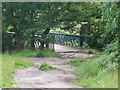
{"x": 99, "y": 71}
{"x": 92, "y": 75}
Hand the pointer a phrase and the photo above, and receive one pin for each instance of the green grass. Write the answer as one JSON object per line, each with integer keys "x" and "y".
{"x": 26, "y": 53}
{"x": 92, "y": 75}
{"x": 35, "y": 53}
{"x": 45, "y": 67}
{"x": 47, "y": 53}
{"x": 9, "y": 64}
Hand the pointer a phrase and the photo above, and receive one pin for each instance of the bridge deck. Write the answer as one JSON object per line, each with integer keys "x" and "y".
{"x": 70, "y": 52}
{"x": 64, "y": 48}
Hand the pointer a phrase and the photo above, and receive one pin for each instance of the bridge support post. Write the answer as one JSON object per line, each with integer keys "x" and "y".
{"x": 81, "y": 41}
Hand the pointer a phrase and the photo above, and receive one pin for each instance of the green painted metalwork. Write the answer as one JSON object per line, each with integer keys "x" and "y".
{"x": 55, "y": 38}
{"x": 66, "y": 39}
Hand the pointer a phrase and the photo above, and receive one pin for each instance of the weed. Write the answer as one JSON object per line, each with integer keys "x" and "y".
{"x": 45, "y": 67}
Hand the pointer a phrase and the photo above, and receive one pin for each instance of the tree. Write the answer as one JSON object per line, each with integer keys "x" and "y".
{"x": 23, "y": 16}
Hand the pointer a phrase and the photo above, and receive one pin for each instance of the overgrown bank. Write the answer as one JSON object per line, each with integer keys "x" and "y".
{"x": 100, "y": 71}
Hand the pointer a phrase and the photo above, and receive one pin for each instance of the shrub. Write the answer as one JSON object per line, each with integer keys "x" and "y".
{"x": 110, "y": 55}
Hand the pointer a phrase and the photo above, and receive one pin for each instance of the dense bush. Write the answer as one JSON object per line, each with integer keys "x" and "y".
{"x": 105, "y": 29}
{"x": 110, "y": 56}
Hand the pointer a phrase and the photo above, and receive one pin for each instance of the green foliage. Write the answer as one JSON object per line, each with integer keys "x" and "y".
{"x": 29, "y": 15}
{"x": 104, "y": 29}
{"x": 33, "y": 17}
{"x": 9, "y": 64}
{"x": 98, "y": 71}
{"x": 110, "y": 55}
{"x": 94, "y": 38}
{"x": 110, "y": 20}
{"x": 45, "y": 67}
{"x": 46, "y": 53}
{"x": 92, "y": 75}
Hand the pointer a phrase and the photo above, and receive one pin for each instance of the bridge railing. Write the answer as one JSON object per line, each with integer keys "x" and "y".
{"x": 55, "y": 38}
{"x": 66, "y": 39}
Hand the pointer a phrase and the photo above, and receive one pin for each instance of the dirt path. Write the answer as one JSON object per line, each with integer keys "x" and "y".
{"x": 61, "y": 77}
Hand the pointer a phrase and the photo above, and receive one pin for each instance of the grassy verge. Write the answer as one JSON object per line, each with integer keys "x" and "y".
{"x": 25, "y": 53}
{"x": 100, "y": 71}
{"x": 9, "y": 64}
{"x": 35, "y": 53}
{"x": 16, "y": 60}
{"x": 92, "y": 75}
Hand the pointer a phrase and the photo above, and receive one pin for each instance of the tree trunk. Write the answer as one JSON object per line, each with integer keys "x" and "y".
{"x": 32, "y": 40}
{"x": 18, "y": 41}
{"x": 44, "y": 38}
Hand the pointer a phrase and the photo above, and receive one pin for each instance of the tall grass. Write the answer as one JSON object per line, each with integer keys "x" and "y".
{"x": 92, "y": 75}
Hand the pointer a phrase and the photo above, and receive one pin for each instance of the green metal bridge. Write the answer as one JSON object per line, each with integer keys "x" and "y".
{"x": 55, "y": 38}
{"x": 64, "y": 39}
